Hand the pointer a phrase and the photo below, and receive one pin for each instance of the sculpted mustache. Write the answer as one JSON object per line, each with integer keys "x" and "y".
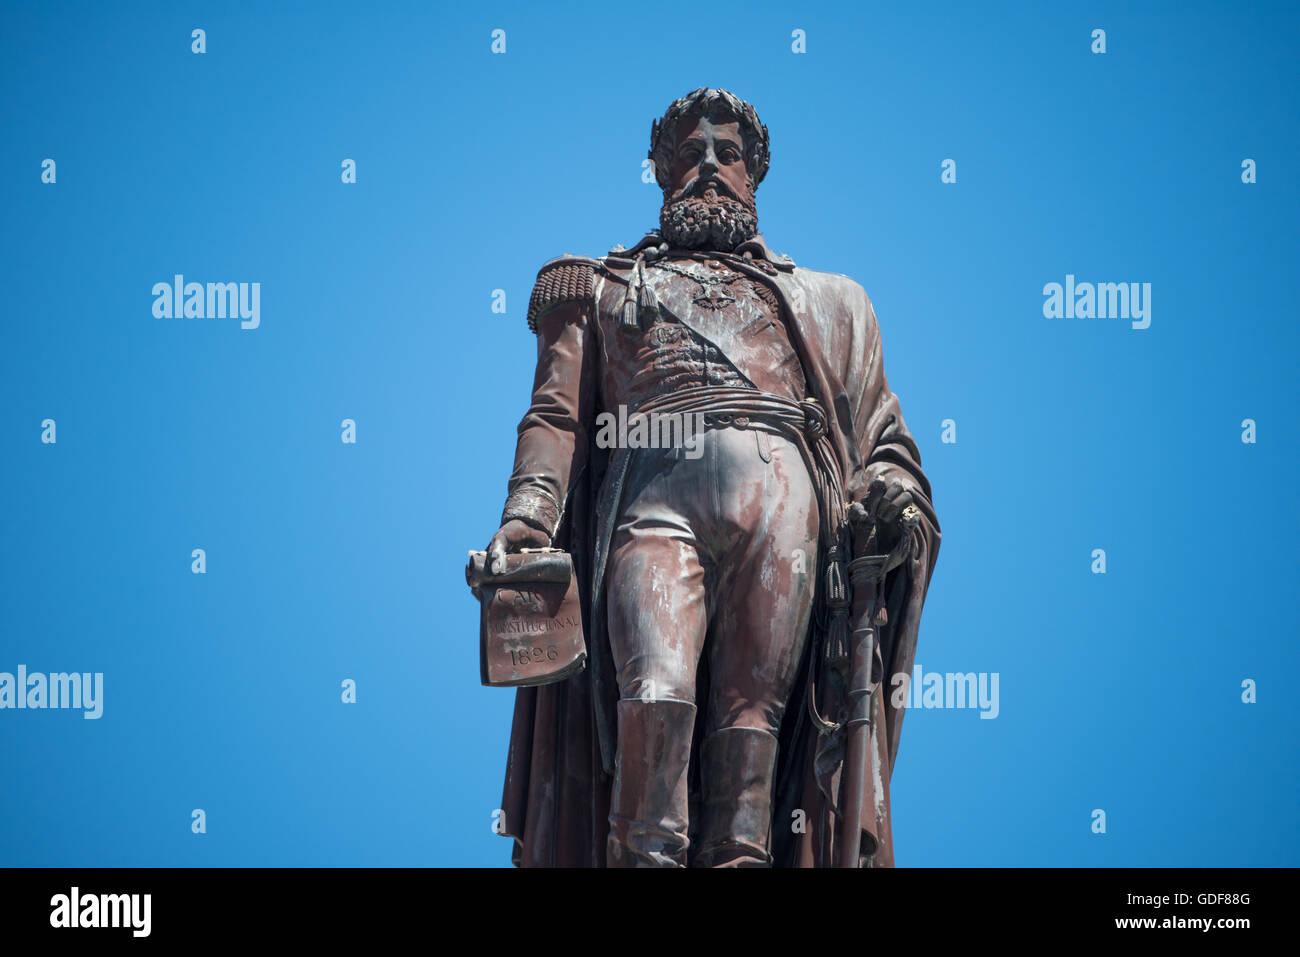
{"x": 697, "y": 186}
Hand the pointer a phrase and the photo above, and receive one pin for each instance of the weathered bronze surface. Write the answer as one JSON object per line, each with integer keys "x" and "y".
{"x": 747, "y": 588}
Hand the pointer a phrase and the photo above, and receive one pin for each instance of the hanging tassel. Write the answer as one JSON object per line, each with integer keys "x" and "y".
{"x": 640, "y": 305}
{"x": 629, "y": 321}
{"x": 837, "y": 603}
{"x": 646, "y": 301}
{"x": 627, "y": 315}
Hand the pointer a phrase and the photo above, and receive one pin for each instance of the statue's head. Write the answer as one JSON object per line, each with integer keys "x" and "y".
{"x": 710, "y": 152}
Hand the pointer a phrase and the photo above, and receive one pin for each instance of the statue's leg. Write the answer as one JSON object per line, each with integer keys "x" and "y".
{"x": 657, "y": 618}
{"x": 764, "y": 600}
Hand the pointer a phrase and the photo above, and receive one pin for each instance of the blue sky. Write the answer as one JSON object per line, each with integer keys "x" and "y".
{"x": 328, "y": 561}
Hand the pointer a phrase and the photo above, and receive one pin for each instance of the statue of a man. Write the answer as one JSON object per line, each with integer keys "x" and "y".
{"x": 717, "y": 722}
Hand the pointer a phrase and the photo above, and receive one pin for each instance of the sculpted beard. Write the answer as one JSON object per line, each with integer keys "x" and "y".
{"x": 693, "y": 222}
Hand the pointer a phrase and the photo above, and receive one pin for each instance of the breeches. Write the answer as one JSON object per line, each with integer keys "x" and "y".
{"x": 714, "y": 555}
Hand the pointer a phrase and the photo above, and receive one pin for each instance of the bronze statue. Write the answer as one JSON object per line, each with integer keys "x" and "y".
{"x": 744, "y": 595}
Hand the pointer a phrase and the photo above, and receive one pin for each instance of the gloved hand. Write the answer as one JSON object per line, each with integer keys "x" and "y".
{"x": 511, "y": 537}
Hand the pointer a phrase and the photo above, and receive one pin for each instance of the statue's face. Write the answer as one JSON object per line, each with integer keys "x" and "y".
{"x": 709, "y": 202}
{"x": 710, "y": 156}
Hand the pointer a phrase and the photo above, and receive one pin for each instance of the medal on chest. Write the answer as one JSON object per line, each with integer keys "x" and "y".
{"x": 714, "y": 290}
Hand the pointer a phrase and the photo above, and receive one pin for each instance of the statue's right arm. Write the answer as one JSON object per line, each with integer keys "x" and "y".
{"x": 553, "y": 438}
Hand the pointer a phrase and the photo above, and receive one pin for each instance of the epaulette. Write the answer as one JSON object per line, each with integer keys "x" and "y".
{"x": 565, "y": 279}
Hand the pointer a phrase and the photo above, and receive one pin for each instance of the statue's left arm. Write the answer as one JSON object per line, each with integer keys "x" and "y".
{"x": 887, "y": 448}
{"x": 888, "y": 451}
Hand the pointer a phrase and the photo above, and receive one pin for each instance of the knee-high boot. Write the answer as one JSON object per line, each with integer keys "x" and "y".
{"x": 648, "y": 808}
{"x": 737, "y": 766}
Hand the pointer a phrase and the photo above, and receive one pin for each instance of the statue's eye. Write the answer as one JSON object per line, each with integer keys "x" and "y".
{"x": 729, "y": 156}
